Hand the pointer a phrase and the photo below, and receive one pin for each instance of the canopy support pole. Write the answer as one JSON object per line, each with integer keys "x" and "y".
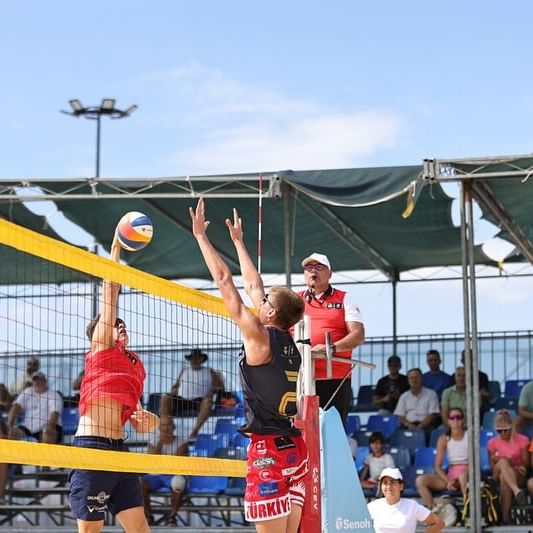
{"x": 394, "y": 317}
{"x": 471, "y": 354}
{"x": 287, "y": 234}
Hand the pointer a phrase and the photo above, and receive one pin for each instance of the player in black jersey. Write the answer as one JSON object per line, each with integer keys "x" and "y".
{"x": 277, "y": 456}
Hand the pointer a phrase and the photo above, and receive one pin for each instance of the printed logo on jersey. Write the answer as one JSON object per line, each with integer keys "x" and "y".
{"x": 333, "y": 305}
{"x": 260, "y": 447}
{"x": 263, "y": 462}
{"x": 291, "y": 459}
{"x": 269, "y": 488}
{"x": 265, "y": 474}
{"x": 284, "y": 443}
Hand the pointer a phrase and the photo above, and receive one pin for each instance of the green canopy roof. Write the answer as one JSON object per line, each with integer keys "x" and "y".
{"x": 355, "y": 216}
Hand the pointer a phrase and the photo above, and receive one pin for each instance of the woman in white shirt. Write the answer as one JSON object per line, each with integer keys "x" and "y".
{"x": 394, "y": 514}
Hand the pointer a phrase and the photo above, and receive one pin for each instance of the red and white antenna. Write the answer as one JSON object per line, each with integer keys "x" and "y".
{"x": 260, "y": 224}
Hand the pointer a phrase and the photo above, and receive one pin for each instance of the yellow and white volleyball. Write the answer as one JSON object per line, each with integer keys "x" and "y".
{"x": 134, "y": 231}
{"x": 178, "y": 483}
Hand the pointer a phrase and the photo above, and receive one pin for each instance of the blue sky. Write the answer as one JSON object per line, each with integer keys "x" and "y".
{"x": 247, "y": 86}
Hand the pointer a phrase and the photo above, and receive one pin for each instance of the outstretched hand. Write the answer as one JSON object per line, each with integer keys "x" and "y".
{"x": 235, "y": 227}
{"x": 199, "y": 223}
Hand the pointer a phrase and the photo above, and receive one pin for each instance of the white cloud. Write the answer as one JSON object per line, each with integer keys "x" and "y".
{"x": 241, "y": 128}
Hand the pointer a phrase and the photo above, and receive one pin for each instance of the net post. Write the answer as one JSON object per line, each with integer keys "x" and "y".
{"x": 308, "y": 423}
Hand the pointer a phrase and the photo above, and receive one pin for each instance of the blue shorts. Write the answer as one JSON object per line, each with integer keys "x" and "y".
{"x": 156, "y": 482}
{"x": 93, "y": 492}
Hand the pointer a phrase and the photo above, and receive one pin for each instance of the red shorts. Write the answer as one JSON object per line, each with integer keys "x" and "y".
{"x": 274, "y": 482}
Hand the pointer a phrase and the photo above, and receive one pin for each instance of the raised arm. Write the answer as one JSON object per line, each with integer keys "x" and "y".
{"x": 103, "y": 332}
{"x": 255, "y": 336}
{"x": 253, "y": 284}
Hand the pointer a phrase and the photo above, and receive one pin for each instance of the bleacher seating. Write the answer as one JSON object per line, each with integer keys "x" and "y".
{"x": 513, "y": 387}
{"x": 353, "y": 423}
{"x": 361, "y": 437}
{"x": 425, "y": 458}
{"x": 365, "y": 397}
{"x": 206, "y": 443}
{"x": 70, "y": 418}
{"x": 484, "y": 459}
{"x": 226, "y": 425}
{"x": 362, "y": 452}
{"x": 386, "y": 424}
{"x": 511, "y": 404}
{"x": 435, "y": 434}
{"x": 401, "y": 456}
{"x": 207, "y": 484}
{"x": 495, "y": 391}
{"x": 485, "y": 435}
{"x": 240, "y": 441}
{"x": 410, "y": 473}
{"x": 410, "y": 439}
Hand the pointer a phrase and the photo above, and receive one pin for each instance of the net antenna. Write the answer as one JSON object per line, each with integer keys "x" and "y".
{"x": 260, "y": 223}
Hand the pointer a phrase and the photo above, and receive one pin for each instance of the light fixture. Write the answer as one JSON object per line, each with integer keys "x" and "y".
{"x": 76, "y": 105}
{"x": 108, "y": 104}
{"x": 130, "y": 109}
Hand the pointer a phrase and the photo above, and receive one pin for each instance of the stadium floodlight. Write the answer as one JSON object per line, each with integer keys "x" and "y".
{"x": 106, "y": 107}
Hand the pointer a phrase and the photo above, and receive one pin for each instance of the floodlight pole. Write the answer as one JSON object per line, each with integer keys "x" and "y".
{"x": 106, "y": 107}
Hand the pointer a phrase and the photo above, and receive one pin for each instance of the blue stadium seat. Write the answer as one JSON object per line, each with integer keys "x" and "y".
{"x": 230, "y": 452}
{"x": 490, "y": 416}
{"x": 484, "y": 459}
{"x": 239, "y": 395}
{"x": 410, "y": 439}
{"x": 362, "y": 452}
{"x": 425, "y": 458}
{"x": 70, "y": 418}
{"x": 435, "y": 434}
{"x": 527, "y": 431}
{"x": 361, "y": 437}
{"x": 226, "y": 425}
{"x": 386, "y": 424}
{"x": 410, "y": 473}
{"x": 495, "y": 391}
{"x": 511, "y": 404}
{"x": 485, "y": 435}
{"x": 513, "y": 387}
{"x": 365, "y": 397}
{"x": 239, "y": 411}
{"x": 206, "y": 443}
{"x": 401, "y": 456}
{"x": 353, "y": 424}
{"x": 240, "y": 441}
{"x": 236, "y": 486}
{"x": 207, "y": 484}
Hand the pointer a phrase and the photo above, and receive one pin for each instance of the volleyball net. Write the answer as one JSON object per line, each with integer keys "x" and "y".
{"x": 45, "y": 316}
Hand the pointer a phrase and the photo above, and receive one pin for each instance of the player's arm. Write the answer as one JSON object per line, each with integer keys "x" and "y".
{"x": 255, "y": 337}
{"x": 253, "y": 284}
{"x": 103, "y": 332}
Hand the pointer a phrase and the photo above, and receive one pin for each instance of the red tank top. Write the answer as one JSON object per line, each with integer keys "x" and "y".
{"x": 113, "y": 373}
{"x": 328, "y": 314}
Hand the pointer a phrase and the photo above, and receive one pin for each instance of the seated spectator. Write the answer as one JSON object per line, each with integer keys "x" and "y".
{"x": 454, "y": 446}
{"x": 525, "y": 406}
{"x": 167, "y": 444}
{"x": 390, "y": 387}
{"x": 5, "y": 400}
{"x": 375, "y": 461}
{"x": 418, "y": 408}
{"x": 193, "y": 391}
{"x": 454, "y": 396}
{"x": 436, "y": 379}
{"x": 509, "y": 460}
{"x": 483, "y": 380}
{"x": 42, "y": 412}
{"x": 24, "y": 381}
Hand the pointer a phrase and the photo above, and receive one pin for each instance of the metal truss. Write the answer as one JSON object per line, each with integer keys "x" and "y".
{"x": 225, "y": 186}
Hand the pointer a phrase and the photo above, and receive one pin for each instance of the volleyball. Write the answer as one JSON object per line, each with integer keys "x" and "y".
{"x": 178, "y": 483}
{"x": 134, "y": 231}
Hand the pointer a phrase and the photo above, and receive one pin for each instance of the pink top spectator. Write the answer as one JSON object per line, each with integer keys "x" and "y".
{"x": 511, "y": 448}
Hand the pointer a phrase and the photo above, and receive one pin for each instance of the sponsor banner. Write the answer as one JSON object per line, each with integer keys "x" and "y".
{"x": 343, "y": 502}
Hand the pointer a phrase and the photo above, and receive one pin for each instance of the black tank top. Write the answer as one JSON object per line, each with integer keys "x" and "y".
{"x": 270, "y": 389}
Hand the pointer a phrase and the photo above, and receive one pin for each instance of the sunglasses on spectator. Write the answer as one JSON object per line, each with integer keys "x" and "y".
{"x": 455, "y": 417}
{"x": 315, "y": 266}
{"x": 503, "y": 430}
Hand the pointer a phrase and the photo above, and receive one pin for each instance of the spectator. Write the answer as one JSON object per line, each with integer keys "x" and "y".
{"x": 394, "y": 513}
{"x": 375, "y": 461}
{"x": 25, "y": 380}
{"x": 391, "y": 387}
{"x": 436, "y": 379}
{"x": 454, "y": 396}
{"x": 418, "y": 408}
{"x": 331, "y": 311}
{"x": 193, "y": 391}
{"x": 167, "y": 444}
{"x": 525, "y": 407}
{"x": 483, "y": 387}
{"x": 5, "y": 401}
{"x": 454, "y": 446}
{"x": 530, "y": 480}
{"x": 42, "y": 412}
{"x": 509, "y": 460}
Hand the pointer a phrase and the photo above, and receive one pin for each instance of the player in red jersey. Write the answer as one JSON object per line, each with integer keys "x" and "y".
{"x": 277, "y": 455}
{"x": 110, "y": 395}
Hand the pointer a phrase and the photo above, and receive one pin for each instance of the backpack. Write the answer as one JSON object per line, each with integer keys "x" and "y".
{"x": 490, "y": 506}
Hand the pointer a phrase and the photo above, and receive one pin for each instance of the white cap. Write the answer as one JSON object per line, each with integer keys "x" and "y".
{"x": 394, "y": 473}
{"x": 319, "y": 258}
